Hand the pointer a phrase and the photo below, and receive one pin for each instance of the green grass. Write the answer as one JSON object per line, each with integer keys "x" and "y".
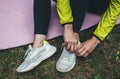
{"x": 103, "y": 63}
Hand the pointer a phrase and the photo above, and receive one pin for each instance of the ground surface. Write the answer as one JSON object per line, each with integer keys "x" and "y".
{"x": 103, "y": 63}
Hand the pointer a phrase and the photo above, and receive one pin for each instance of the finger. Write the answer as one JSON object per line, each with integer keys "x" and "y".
{"x": 75, "y": 46}
{"x": 72, "y": 47}
{"x": 86, "y": 55}
{"x": 85, "y": 52}
{"x": 80, "y": 51}
{"x": 68, "y": 46}
{"x": 80, "y": 46}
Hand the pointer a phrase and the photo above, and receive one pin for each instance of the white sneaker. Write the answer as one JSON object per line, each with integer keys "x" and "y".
{"x": 34, "y": 56}
{"x": 66, "y": 62}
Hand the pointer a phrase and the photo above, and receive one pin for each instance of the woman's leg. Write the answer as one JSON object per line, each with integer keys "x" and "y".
{"x": 79, "y": 8}
{"x": 68, "y": 59}
{"x": 42, "y": 13}
{"x": 36, "y": 54}
{"x": 71, "y": 37}
{"x": 98, "y": 6}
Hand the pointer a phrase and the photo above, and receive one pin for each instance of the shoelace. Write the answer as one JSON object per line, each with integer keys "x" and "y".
{"x": 27, "y": 52}
{"x": 66, "y": 57}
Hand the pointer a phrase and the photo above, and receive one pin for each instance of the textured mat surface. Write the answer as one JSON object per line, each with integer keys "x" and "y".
{"x": 17, "y": 27}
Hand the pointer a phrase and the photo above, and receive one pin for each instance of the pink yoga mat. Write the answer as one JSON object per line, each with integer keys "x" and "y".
{"x": 17, "y": 27}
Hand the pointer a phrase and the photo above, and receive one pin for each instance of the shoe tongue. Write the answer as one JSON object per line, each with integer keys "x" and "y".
{"x": 30, "y": 47}
{"x": 67, "y": 55}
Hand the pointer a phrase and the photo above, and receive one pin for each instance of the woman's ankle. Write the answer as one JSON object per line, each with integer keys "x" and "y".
{"x": 38, "y": 40}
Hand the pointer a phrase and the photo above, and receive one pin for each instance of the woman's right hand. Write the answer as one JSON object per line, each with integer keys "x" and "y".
{"x": 70, "y": 38}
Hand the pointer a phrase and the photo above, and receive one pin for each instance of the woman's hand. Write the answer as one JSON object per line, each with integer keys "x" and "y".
{"x": 70, "y": 38}
{"x": 87, "y": 47}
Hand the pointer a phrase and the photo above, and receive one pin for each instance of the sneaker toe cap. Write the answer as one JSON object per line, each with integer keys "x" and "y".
{"x": 61, "y": 67}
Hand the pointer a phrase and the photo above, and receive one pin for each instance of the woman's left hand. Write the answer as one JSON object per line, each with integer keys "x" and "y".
{"x": 87, "y": 47}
